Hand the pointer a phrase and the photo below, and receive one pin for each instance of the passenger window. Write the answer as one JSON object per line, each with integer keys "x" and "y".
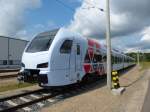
{"x": 116, "y": 59}
{"x": 78, "y": 49}
{"x": 98, "y": 58}
{"x": 104, "y": 58}
{"x": 113, "y": 59}
{"x": 66, "y": 47}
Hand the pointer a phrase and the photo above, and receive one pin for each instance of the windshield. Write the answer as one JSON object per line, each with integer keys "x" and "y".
{"x": 41, "y": 42}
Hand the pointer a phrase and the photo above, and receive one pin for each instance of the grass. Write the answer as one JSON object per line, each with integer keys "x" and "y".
{"x": 14, "y": 86}
{"x": 145, "y": 65}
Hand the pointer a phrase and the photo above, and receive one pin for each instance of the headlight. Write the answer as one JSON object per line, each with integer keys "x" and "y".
{"x": 42, "y": 65}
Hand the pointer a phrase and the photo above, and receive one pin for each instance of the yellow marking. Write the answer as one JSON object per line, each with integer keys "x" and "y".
{"x": 115, "y": 84}
{"x": 114, "y": 78}
{"x": 113, "y": 73}
{"x": 117, "y": 77}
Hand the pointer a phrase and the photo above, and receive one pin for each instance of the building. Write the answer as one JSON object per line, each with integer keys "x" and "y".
{"x": 11, "y": 50}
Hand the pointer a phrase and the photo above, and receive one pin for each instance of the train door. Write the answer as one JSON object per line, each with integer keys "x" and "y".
{"x": 78, "y": 58}
{"x": 75, "y": 62}
{"x": 61, "y": 60}
{"x": 72, "y": 62}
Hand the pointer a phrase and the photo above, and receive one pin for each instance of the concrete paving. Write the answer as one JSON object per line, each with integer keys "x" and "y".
{"x": 146, "y": 105}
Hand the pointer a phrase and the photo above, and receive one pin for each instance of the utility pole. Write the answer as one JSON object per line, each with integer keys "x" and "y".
{"x": 108, "y": 42}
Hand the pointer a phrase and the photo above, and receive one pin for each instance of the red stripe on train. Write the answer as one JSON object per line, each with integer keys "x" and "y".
{"x": 87, "y": 68}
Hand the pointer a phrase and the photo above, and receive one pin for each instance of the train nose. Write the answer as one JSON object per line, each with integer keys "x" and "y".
{"x": 32, "y": 61}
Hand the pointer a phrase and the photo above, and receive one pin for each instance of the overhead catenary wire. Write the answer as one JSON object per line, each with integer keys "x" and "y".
{"x": 93, "y": 6}
{"x": 66, "y": 6}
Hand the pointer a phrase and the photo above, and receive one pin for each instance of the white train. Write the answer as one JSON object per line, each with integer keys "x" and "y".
{"x": 61, "y": 57}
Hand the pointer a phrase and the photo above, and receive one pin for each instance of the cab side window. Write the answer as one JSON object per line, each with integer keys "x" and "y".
{"x": 66, "y": 47}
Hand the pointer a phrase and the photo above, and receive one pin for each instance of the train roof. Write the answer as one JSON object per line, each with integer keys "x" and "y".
{"x": 115, "y": 51}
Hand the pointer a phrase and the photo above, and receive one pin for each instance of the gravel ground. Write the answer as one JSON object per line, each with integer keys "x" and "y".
{"x": 100, "y": 99}
{"x": 4, "y": 82}
{"x": 8, "y": 73}
{"x": 8, "y": 81}
{"x": 17, "y": 91}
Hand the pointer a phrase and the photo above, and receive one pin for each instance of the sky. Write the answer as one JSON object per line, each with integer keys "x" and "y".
{"x": 130, "y": 20}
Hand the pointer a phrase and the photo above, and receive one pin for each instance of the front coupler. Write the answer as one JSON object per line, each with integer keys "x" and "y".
{"x": 30, "y": 76}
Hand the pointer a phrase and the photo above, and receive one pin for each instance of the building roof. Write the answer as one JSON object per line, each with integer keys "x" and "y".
{"x": 13, "y": 38}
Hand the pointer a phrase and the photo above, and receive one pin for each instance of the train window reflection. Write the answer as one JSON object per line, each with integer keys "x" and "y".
{"x": 66, "y": 47}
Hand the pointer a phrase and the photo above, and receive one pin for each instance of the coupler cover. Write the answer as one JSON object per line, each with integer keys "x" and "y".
{"x": 30, "y": 76}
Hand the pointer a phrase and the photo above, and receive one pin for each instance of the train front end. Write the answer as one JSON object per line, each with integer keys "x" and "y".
{"x": 35, "y": 59}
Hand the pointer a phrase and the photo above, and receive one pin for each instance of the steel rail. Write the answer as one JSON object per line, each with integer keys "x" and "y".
{"x": 8, "y": 76}
{"x": 20, "y": 106}
{"x": 7, "y": 70}
{"x": 20, "y": 95}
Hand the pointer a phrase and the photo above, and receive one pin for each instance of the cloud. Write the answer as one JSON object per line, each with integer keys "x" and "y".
{"x": 51, "y": 24}
{"x": 146, "y": 35}
{"x": 38, "y": 26}
{"x": 143, "y": 43}
{"x": 128, "y": 18}
{"x": 31, "y": 32}
{"x": 146, "y": 38}
{"x": 12, "y": 14}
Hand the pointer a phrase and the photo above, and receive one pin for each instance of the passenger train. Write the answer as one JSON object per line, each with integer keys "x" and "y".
{"x": 61, "y": 57}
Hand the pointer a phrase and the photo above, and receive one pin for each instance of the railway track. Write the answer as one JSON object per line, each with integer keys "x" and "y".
{"x": 35, "y": 100}
{"x": 32, "y": 101}
{"x": 8, "y": 76}
{"x": 8, "y": 73}
{"x": 21, "y": 101}
{"x": 8, "y": 70}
